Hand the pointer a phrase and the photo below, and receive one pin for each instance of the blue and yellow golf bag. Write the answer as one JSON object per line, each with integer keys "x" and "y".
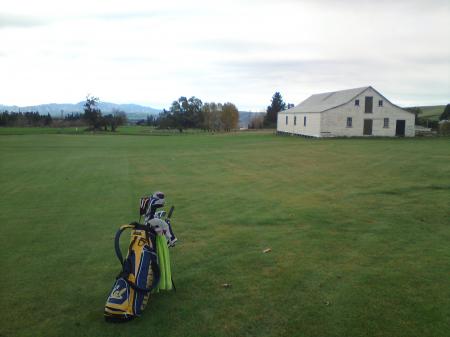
{"x": 145, "y": 269}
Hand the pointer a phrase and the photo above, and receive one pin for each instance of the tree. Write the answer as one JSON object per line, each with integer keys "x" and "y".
{"x": 119, "y": 118}
{"x": 114, "y": 120}
{"x": 446, "y": 114}
{"x": 92, "y": 113}
{"x": 229, "y": 117}
{"x": 194, "y": 112}
{"x": 277, "y": 105}
{"x": 211, "y": 116}
{"x": 105, "y": 121}
{"x": 165, "y": 120}
{"x": 444, "y": 128}
{"x": 176, "y": 114}
{"x": 207, "y": 116}
{"x": 151, "y": 120}
{"x": 186, "y": 113}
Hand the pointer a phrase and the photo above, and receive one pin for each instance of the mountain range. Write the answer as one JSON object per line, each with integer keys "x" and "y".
{"x": 246, "y": 116}
{"x": 56, "y": 109}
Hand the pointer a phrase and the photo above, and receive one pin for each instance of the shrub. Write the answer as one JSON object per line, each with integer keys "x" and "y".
{"x": 444, "y": 129}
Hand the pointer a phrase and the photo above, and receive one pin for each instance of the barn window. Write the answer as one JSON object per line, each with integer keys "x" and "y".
{"x": 356, "y": 102}
{"x": 349, "y": 122}
{"x": 286, "y": 120}
{"x": 380, "y": 102}
{"x": 369, "y": 104}
{"x": 386, "y": 123}
{"x": 304, "y": 121}
{"x": 295, "y": 120}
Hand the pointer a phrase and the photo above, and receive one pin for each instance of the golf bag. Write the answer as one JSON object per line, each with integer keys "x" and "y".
{"x": 147, "y": 265}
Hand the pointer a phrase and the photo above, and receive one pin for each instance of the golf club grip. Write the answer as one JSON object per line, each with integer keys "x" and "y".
{"x": 171, "y": 211}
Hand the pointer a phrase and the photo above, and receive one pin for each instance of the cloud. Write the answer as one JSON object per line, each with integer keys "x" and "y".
{"x": 411, "y": 4}
{"x": 133, "y": 15}
{"x": 285, "y": 66}
{"x": 231, "y": 45}
{"x": 19, "y": 21}
{"x": 153, "y": 52}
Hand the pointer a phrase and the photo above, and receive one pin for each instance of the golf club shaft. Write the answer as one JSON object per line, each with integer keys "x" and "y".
{"x": 170, "y": 212}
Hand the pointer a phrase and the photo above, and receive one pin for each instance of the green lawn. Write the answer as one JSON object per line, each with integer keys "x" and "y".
{"x": 123, "y": 130}
{"x": 38, "y": 130}
{"x": 359, "y": 231}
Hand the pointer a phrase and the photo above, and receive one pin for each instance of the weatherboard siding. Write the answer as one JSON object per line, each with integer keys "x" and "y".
{"x": 311, "y": 129}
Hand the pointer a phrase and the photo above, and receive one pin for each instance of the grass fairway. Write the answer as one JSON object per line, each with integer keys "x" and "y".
{"x": 359, "y": 231}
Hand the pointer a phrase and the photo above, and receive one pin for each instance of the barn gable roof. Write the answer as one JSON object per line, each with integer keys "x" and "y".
{"x": 327, "y": 100}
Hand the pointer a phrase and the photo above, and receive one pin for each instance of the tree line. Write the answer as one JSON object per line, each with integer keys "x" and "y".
{"x": 192, "y": 113}
{"x": 187, "y": 113}
{"x": 29, "y": 118}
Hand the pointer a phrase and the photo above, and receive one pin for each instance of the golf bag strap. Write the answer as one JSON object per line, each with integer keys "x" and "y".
{"x": 117, "y": 241}
{"x": 133, "y": 225}
{"x": 154, "y": 264}
{"x": 156, "y": 276}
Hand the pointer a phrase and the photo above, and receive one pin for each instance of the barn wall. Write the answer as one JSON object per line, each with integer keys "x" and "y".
{"x": 312, "y": 127}
{"x": 281, "y": 123}
{"x": 334, "y": 121}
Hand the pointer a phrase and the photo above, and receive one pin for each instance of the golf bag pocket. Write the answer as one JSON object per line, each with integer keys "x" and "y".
{"x": 119, "y": 306}
{"x": 139, "y": 275}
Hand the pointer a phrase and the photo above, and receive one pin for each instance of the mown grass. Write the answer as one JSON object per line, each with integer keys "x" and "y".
{"x": 84, "y": 130}
{"x": 38, "y": 130}
{"x": 359, "y": 232}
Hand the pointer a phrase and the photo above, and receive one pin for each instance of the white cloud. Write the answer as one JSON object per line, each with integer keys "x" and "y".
{"x": 240, "y": 51}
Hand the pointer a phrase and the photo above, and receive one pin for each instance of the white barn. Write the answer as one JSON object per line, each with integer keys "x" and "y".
{"x": 347, "y": 113}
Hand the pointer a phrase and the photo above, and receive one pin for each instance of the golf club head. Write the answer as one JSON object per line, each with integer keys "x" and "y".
{"x": 160, "y": 214}
{"x": 157, "y": 200}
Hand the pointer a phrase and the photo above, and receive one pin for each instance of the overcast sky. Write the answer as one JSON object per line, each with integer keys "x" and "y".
{"x": 152, "y": 52}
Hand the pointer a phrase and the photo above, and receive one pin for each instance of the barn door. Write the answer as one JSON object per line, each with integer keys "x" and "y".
{"x": 400, "y": 128}
{"x": 368, "y": 105}
{"x": 367, "y": 127}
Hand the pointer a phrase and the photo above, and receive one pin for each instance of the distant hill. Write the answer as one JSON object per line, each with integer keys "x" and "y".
{"x": 431, "y": 112}
{"x": 246, "y": 116}
{"x": 134, "y": 111}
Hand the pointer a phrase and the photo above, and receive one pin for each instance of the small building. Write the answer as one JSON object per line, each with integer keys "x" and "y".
{"x": 347, "y": 113}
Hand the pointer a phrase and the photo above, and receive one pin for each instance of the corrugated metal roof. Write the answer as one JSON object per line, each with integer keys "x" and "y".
{"x": 326, "y": 100}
